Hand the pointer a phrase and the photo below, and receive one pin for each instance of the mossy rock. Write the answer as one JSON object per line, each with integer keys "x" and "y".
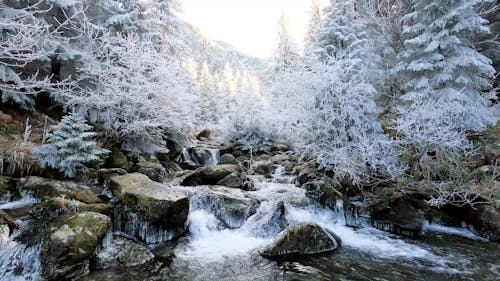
{"x": 54, "y": 207}
{"x": 123, "y": 253}
{"x": 70, "y": 244}
{"x": 210, "y": 175}
{"x": 155, "y": 205}
{"x": 302, "y": 240}
{"x": 117, "y": 159}
{"x": 228, "y": 159}
{"x": 42, "y": 187}
{"x": 154, "y": 171}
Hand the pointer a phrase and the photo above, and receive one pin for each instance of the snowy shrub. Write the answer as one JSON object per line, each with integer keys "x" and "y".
{"x": 335, "y": 122}
{"x": 27, "y": 43}
{"x": 70, "y": 149}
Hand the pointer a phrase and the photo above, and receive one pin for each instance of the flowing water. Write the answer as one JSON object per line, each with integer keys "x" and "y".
{"x": 215, "y": 251}
{"x": 227, "y": 227}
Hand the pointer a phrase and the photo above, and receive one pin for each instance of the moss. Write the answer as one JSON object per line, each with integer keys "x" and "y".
{"x": 94, "y": 222}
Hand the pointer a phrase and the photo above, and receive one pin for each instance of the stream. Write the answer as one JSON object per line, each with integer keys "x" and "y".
{"x": 222, "y": 246}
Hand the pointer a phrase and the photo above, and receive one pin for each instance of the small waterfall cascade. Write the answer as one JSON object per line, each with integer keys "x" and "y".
{"x": 201, "y": 156}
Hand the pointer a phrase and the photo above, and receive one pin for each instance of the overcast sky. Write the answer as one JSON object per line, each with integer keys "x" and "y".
{"x": 249, "y": 25}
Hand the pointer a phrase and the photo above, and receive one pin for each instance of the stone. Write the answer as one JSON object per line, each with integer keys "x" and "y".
{"x": 399, "y": 216}
{"x": 54, "y": 207}
{"x": 149, "y": 211}
{"x": 228, "y": 159}
{"x": 203, "y": 156}
{"x": 263, "y": 167}
{"x": 210, "y": 175}
{"x": 302, "y": 240}
{"x": 323, "y": 192}
{"x": 117, "y": 159}
{"x": 205, "y": 134}
{"x": 485, "y": 221}
{"x": 234, "y": 180}
{"x": 38, "y": 187}
{"x": 8, "y": 189}
{"x": 123, "y": 252}
{"x": 70, "y": 244}
{"x": 280, "y": 158}
{"x": 231, "y": 206}
{"x": 154, "y": 171}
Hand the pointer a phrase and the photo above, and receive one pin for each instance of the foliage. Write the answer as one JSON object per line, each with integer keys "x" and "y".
{"x": 70, "y": 149}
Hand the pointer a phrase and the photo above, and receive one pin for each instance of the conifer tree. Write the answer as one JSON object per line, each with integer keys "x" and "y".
{"x": 287, "y": 51}
{"x": 443, "y": 76}
{"x": 70, "y": 148}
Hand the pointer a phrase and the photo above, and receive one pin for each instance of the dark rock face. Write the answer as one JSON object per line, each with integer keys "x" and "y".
{"x": 154, "y": 171}
{"x": 210, "y": 175}
{"x": 117, "y": 159}
{"x": 53, "y": 207}
{"x": 71, "y": 243}
{"x": 322, "y": 192}
{"x": 149, "y": 211}
{"x": 8, "y": 189}
{"x": 301, "y": 240}
{"x": 485, "y": 221}
{"x": 399, "y": 216}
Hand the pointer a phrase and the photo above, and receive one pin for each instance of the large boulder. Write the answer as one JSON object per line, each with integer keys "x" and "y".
{"x": 231, "y": 206}
{"x": 154, "y": 171}
{"x": 147, "y": 210}
{"x": 237, "y": 180}
{"x": 300, "y": 240}
{"x": 210, "y": 175}
{"x": 38, "y": 187}
{"x": 398, "y": 215}
{"x": 203, "y": 156}
{"x": 70, "y": 244}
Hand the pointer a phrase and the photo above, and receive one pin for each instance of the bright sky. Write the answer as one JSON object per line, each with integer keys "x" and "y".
{"x": 249, "y": 25}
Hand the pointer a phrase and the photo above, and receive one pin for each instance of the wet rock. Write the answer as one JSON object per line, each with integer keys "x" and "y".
{"x": 228, "y": 159}
{"x": 154, "y": 171}
{"x": 323, "y": 192}
{"x": 263, "y": 167}
{"x": 280, "y": 158}
{"x": 8, "y": 189}
{"x": 54, "y": 207}
{"x": 305, "y": 172}
{"x": 234, "y": 180}
{"x": 357, "y": 213}
{"x": 122, "y": 252}
{"x": 229, "y": 205}
{"x": 147, "y": 210}
{"x": 269, "y": 220}
{"x": 485, "y": 221}
{"x": 203, "y": 156}
{"x": 6, "y": 220}
{"x": 111, "y": 172}
{"x": 204, "y": 135}
{"x": 71, "y": 243}
{"x": 399, "y": 216}
{"x": 117, "y": 159}
{"x": 41, "y": 187}
{"x": 301, "y": 240}
{"x": 210, "y": 175}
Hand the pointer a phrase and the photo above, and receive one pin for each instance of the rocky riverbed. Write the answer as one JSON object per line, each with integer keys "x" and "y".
{"x": 227, "y": 217}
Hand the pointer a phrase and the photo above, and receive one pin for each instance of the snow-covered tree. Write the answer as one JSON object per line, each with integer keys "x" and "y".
{"x": 443, "y": 77}
{"x": 316, "y": 21}
{"x": 287, "y": 51}
{"x": 134, "y": 91}
{"x": 70, "y": 148}
{"x": 27, "y": 44}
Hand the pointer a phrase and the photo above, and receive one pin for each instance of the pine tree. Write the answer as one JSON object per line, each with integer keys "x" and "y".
{"x": 443, "y": 75}
{"x": 342, "y": 37}
{"x": 70, "y": 148}
{"x": 316, "y": 19}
